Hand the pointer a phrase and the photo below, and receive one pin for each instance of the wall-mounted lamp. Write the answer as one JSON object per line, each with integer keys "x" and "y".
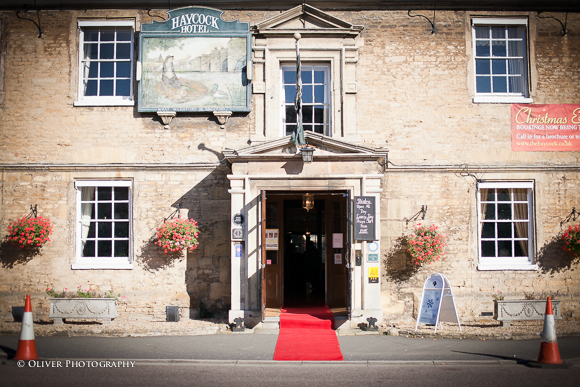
{"x": 307, "y": 152}
{"x": 307, "y": 201}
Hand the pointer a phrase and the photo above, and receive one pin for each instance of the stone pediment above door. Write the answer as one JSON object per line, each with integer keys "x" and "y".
{"x": 345, "y": 157}
{"x": 306, "y": 19}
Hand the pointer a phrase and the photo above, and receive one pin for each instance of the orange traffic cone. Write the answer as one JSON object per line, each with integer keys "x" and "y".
{"x": 27, "y": 346}
{"x": 549, "y": 353}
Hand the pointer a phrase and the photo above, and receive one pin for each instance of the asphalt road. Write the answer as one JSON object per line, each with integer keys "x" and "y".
{"x": 284, "y": 374}
{"x": 261, "y": 347}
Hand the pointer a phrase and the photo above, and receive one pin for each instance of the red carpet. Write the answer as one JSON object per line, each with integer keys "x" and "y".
{"x": 307, "y": 334}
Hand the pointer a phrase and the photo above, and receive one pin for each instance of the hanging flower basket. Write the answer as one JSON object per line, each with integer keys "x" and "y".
{"x": 571, "y": 239}
{"x": 30, "y": 232}
{"x": 426, "y": 244}
{"x": 177, "y": 234}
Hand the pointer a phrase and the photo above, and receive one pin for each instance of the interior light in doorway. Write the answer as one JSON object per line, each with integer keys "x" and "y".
{"x": 307, "y": 201}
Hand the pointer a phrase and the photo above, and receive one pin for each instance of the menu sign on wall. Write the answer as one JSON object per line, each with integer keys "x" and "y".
{"x": 364, "y": 218}
{"x": 545, "y": 128}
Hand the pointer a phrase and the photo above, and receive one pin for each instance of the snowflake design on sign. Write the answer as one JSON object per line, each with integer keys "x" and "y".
{"x": 430, "y": 303}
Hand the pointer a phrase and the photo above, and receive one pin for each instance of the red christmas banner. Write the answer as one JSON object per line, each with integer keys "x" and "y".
{"x": 545, "y": 128}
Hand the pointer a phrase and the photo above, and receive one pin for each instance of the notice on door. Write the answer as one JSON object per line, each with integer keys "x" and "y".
{"x": 271, "y": 239}
{"x": 364, "y": 218}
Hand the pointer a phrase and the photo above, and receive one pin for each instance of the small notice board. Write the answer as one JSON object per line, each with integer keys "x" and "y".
{"x": 364, "y": 218}
{"x": 437, "y": 303}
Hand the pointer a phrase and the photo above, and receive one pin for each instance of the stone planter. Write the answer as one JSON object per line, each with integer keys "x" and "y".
{"x": 69, "y": 308}
{"x": 510, "y": 310}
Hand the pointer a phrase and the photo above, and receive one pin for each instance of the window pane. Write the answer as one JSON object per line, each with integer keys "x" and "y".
{"x": 88, "y": 211}
{"x": 91, "y": 51}
{"x": 307, "y": 94}
{"x": 482, "y": 32}
{"x": 290, "y": 114}
{"x": 105, "y": 230}
{"x": 104, "y": 211}
{"x": 498, "y": 32}
{"x": 307, "y": 114}
{"x": 307, "y": 128}
{"x": 123, "y": 87}
{"x": 289, "y": 93}
{"x": 515, "y": 32}
{"x": 319, "y": 77}
{"x": 482, "y": 48}
{"x": 107, "y": 35}
{"x": 121, "y": 193}
{"x": 319, "y": 114}
{"x": 290, "y": 129}
{"x": 107, "y": 51}
{"x": 319, "y": 129}
{"x": 489, "y": 196}
{"x": 503, "y": 195}
{"x": 516, "y": 48}
{"x": 121, "y": 248}
{"x": 499, "y": 66}
{"x": 121, "y": 210}
{"x": 121, "y": 229}
{"x": 124, "y": 36}
{"x": 92, "y": 70}
{"x": 521, "y": 211}
{"x": 483, "y": 84}
{"x": 504, "y": 230}
{"x": 488, "y": 249}
{"x": 498, "y": 48}
{"x": 90, "y": 88}
{"x": 123, "y": 51}
{"x": 105, "y": 248}
{"x": 106, "y": 87}
{"x": 306, "y": 76}
{"x": 519, "y": 249}
{"x": 319, "y": 94}
{"x": 515, "y": 85}
{"x": 504, "y": 211}
{"x": 105, "y": 193}
{"x": 499, "y": 84}
{"x": 89, "y": 249}
{"x": 91, "y": 35}
{"x": 504, "y": 248}
{"x": 520, "y": 195}
{"x": 290, "y": 76}
{"x": 123, "y": 70}
{"x": 488, "y": 230}
{"x": 107, "y": 69}
{"x": 482, "y": 66}
{"x": 521, "y": 229}
{"x": 92, "y": 230}
{"x": 488, "y": 211}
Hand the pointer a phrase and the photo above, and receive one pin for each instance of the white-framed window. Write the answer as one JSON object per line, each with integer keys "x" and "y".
{"x": 505, "y": 216}
{"x": 500, "y": 59}
{"x": 315, "y": 99}
{"x": 103, "y": 224}
{"x": 106, "y": 63}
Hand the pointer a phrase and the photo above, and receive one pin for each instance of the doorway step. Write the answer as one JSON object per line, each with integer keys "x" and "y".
{"x": 270, "y": 326}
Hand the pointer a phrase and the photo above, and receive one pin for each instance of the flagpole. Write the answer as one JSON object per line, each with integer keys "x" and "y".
{"x": 298, "y": 135}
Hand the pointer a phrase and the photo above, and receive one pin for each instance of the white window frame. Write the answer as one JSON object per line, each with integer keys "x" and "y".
{"x": 121, "y": 263}
{"x": 507, "y": 263}
{"x": 327, "y": 104}
{"x": 83, "y": 100}
{"x": 501, "y": 97}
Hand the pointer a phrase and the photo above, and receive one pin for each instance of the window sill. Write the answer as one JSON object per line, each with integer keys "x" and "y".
{"x": 501, "y": 99}
{"x": 102, "y": 266}
{"x": 506, "y": 266}
{"x": 104, "y": 102}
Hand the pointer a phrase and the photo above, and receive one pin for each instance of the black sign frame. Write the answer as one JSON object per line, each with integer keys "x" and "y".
{"x": 364, "y": 218}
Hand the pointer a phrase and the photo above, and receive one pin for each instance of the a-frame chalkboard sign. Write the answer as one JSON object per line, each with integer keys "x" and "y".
{"x": 437, "y": 302}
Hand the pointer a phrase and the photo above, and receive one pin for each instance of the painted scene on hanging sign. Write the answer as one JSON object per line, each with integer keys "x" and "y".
{"x": 190, "y": 73}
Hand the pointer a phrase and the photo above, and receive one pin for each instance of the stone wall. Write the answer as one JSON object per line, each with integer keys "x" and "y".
{"x": 414, "y": 96}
